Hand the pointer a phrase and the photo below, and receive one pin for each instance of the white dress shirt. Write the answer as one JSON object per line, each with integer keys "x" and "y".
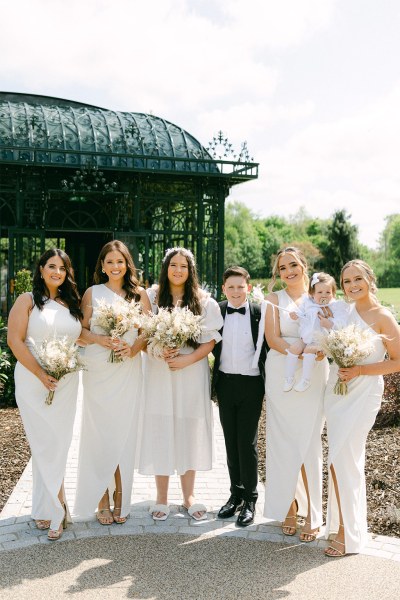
{"x": 238, "y": 350}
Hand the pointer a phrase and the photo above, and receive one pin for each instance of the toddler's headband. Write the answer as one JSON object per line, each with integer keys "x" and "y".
{"x": 314, "y": 279}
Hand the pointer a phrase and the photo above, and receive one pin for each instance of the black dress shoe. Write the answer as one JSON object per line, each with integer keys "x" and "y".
{"x": 233, "y": 505}
{"x": 246, "y": 516}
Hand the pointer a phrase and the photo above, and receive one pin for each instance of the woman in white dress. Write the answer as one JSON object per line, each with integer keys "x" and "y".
{"x": 177, "y": 425}
{"x": 294, "y": 421}
{"x": 350, "y": 417}
{"x": 51, "y": 310}
{"x": 111, "y": 393}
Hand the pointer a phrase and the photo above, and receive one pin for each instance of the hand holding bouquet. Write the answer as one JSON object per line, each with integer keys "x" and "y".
{"x": 116, "y": 319}
{"x": 170, "y": 329}
{"x": 348, "y": 347}
{"x": 58, "y": 357}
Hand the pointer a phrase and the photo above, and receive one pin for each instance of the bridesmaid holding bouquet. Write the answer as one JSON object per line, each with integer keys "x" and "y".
{"x": 111, "y": 390}
{"x": 46, "y": 316}
{"x": 177, "y": 427}
{"x": 350, "y": 417}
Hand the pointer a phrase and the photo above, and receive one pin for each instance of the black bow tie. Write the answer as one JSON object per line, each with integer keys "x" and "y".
{"x": 231, "y": 310}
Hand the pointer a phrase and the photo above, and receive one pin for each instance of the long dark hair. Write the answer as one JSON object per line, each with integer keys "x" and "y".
{"x": 131, "y": 282}
{"x": 191, "y": 294}
{"x": 67, "y": 291}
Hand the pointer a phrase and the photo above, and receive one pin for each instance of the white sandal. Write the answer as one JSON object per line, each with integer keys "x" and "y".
{"x": 163, "y": 508}
{"x": 197, "y": 508}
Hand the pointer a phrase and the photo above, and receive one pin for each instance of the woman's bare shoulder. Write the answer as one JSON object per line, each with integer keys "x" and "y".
{"x": 272, "y": 297}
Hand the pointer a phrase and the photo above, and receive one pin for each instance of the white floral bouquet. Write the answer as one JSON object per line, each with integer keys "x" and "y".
{"x": 347, "y": 347}
{"x": 170, "y": 329}
{"x": 58, "y": 357}
{"x": 256, "y": 294}
{"x": 116, "y": 319}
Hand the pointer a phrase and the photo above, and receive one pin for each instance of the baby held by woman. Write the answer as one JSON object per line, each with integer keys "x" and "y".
{"x": 321, "y": 293}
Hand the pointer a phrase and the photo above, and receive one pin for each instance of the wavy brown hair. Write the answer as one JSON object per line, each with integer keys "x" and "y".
{"x": 191, "y": 295}
{"x": 131, "y": 282}
{"x": 68, "y": 291}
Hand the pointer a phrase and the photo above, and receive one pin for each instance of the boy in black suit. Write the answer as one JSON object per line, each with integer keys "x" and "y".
{"x": 239, "y": 386}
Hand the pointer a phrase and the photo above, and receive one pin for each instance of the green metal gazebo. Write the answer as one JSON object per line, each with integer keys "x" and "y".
{"x": 76, "y": 176}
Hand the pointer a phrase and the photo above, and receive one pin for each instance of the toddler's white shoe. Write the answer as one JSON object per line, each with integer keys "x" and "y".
{"x": 288, "y": 384}
{"x": 302, "y": 385}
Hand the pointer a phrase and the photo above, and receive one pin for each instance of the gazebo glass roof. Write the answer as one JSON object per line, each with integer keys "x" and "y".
{"x": 45, "y": 130}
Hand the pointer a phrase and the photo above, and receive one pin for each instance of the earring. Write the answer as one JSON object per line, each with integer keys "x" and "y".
{"x": 103, "y": 271}
{"x": 41, "y": 276}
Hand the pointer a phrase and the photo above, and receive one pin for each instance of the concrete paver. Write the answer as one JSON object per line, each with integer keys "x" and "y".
{"x": 19, "y": 535}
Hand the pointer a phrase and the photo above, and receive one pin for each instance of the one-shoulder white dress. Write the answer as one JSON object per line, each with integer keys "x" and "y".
{"x": 48, "y": 427}
{"x": 349, "y": 418}
{"x": 177, "y": 421}
{"x": 294, "y": 423}
{"x": 111, "y": 393}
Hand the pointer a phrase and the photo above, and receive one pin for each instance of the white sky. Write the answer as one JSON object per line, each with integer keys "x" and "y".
{"x": 313, "y": 86}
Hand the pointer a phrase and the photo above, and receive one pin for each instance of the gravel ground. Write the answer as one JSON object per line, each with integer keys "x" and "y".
{"x": 382, "y": 462}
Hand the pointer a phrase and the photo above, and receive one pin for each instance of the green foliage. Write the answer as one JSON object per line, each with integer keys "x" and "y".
{"x": 342, "y": 243}
{"x": 387, "y": 263}
{"x": 243, "y": 245}
{"x": 23, "y": 282}
{"x": 7, "y": 364}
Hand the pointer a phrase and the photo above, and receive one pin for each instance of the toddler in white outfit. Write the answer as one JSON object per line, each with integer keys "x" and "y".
{"x": 321, "y": 292}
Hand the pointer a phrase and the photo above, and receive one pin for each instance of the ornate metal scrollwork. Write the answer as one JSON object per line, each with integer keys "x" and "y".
{"x": 221, "y": 148}
{"x": 87, "y": 179}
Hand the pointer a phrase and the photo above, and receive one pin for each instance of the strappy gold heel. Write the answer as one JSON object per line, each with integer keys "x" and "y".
{"x": 117, "y": 518}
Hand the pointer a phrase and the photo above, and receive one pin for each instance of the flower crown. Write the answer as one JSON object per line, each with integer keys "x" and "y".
{"x": 179, "y": 249}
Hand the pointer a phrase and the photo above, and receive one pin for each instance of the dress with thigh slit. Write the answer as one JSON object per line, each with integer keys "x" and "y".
{"x": 48, "y": 427}
{"x": 349, "y": 418}
{"x": 111, "y": 393}
{"x": 294, "y": 422}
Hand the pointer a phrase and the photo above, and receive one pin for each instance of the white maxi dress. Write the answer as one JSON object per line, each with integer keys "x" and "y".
{"x": 111, "y": 395}
{"x": 294, "y": 425}
{"x": 349, "y": 418}
{"x": 177, "y": 433}
{"x": 48, "y": 427}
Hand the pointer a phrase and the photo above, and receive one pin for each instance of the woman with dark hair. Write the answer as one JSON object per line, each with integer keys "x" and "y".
{"x": 51, "y": 310}
{"x": 111, "y": 392}
{"x": 177, "y": 427}
{"x": 294, "y": 423}
{"x": 350, "y": 417}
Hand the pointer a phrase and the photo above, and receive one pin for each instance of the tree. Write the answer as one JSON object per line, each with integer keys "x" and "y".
{"x": 387, "y": 264}
{"x": 243, "y": 245}
{"x": 342, "y": 243}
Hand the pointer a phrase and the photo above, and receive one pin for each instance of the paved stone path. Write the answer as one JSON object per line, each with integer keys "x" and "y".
{"x": 17, "y": 530}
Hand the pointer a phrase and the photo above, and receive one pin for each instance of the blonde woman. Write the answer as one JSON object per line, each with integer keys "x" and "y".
{"x": 294, "y": 422}
{"x": 349, "y": 418}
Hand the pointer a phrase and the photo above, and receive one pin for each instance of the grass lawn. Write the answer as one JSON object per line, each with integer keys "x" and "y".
{"x": 391, "y": 296}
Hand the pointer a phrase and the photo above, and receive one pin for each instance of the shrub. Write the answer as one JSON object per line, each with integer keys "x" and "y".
{"x": 7, "y": 364}
{"x": 23, "y": 282}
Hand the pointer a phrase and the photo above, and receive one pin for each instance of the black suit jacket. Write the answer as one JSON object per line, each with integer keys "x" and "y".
{"x": 255, "y": 316}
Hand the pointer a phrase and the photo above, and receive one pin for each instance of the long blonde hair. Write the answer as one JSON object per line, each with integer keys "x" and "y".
{"x": 366, "y": 271}
{"x": 298, "y": 256}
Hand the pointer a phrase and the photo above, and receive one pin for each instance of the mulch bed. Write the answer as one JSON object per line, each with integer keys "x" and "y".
{"x": 382, "y": 461}
{"x": 14, "y": 451}
{"x": 382, "y": 468}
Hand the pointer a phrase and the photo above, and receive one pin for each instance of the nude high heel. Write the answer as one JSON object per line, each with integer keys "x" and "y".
{"x": 55, "y": 534}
